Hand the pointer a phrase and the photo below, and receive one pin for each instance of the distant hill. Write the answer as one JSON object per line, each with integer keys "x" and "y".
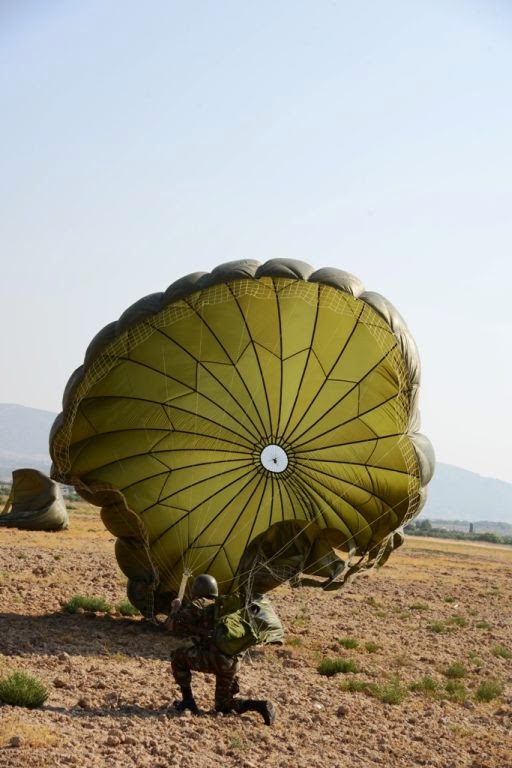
{"x": 454, "y": 493}
{"x": 457, "y": 494}
{"x": 24, "y": 438}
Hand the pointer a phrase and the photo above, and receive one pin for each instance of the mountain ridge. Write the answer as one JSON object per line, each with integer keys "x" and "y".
{"x": 24, "y": 435}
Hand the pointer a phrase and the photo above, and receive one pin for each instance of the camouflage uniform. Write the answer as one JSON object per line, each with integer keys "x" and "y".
{"x": 196, "y": 619}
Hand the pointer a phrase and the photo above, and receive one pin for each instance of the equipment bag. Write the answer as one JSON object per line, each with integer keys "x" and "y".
{"x": 232, "y": 634}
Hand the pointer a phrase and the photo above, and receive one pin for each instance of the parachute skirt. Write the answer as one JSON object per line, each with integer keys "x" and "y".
{"x": 258, "y": 419}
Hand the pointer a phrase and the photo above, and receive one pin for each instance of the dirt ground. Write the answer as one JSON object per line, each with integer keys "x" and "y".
{"x": 438, "y": 609}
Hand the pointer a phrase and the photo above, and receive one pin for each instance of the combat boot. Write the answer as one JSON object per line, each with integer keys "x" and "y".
{"x": 187, "y": 702}
{"x": 264, "y": 708}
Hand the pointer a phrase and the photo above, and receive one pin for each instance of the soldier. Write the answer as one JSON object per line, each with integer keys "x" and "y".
{"x": 196, "y": 619}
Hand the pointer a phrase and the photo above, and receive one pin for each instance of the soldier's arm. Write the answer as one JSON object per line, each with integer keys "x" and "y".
{"x": 189, "y": 620}
{"x": 175, "y": 606}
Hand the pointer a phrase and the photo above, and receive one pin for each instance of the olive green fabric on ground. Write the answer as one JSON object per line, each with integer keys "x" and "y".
{"x": 37, "y": 503}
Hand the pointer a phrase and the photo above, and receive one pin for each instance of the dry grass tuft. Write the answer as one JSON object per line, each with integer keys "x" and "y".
{"x": 31, "y": 735}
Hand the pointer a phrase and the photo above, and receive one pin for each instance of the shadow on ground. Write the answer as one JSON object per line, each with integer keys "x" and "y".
{"x": 81, "y": 635}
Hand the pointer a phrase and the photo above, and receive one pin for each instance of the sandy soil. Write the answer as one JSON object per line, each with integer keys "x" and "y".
{"x": 434, "y": 604}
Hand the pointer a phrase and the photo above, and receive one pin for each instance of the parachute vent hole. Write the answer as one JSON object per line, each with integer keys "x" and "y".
{"x": 274, "y": 458}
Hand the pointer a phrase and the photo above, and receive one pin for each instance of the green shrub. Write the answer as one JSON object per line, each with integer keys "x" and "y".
{"x": 348, "y": 642}
{"x": 449, "y": 599}
{"x": 425, "y": 685}
{"x": 330, "y": 667}
{"x": 475, "y": 658}
{"x": 482, "y": 625}
{"x": 489, "y": 690}
{"x": 354, "y": 685}
{"x": 237, "y": 741}
{"x": 419, "y": 607}
{"x": 456, "y": 690}
{"x": 22, "y": 690}
{"x": 389, "y": 693}
{"x": 455, "y": 671}
{"x": 437, "y": 626}
{"x": 127, "y": 609}
{"x": 89, "y": 604}
{"x": 460, "y": 621}
{"x": 502, "y": 651}
{"x": 371, "y": 646}
{"x": 302, "y": 617}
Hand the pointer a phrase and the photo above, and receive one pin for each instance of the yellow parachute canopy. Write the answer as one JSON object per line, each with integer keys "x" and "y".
{"x": 239, "y": 399}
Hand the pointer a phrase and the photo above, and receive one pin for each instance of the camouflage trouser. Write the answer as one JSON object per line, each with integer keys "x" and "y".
{"x": 225, "y": 668}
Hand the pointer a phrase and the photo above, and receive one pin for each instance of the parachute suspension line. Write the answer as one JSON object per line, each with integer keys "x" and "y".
{"x": 150, "y": 594}
{"x": 281, "y": 572}
{"x": 284, "y": 572}
{"x": 368, "y": 558}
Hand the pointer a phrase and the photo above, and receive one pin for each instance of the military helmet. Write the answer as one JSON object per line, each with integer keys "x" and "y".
{"x": 204, "y": 585}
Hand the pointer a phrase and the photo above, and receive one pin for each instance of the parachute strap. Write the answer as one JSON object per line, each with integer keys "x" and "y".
{"x": 187, "y": 573}
{"x": 177, "y": 602}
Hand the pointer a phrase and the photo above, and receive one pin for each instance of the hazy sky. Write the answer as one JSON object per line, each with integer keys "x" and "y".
{"x": 142, "y": 141}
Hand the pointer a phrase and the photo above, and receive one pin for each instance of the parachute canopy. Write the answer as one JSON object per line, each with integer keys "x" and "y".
{"x": 35, "y": 503}
{"x": 254, "y": 396}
